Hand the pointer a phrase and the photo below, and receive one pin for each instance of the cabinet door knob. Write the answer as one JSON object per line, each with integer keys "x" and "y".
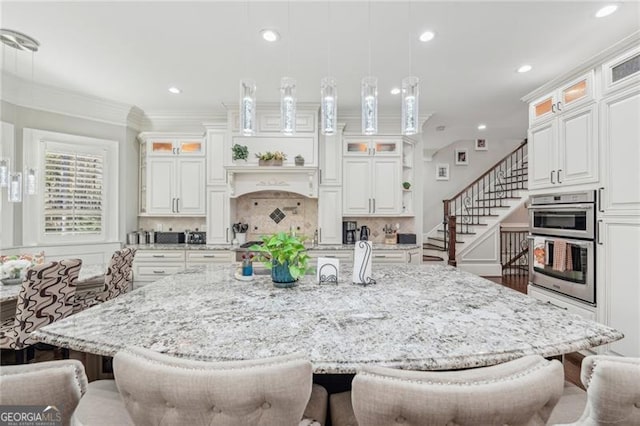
{"x": 552, "y": 181}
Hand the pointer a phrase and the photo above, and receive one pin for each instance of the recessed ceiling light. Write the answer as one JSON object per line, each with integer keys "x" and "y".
{"x": 270, "y": 35}
{"x": 606, "y": 11}
{"x": 395, "y": 91}
{"x": 482, "y": 126}
{"x": 174, "y": 90}
{"x": 427, "y": 36}
{"x": 525, "y": 68}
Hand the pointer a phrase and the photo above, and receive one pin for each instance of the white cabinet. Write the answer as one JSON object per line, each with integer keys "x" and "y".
{"x": 618, "y": 252}
{"x": 173, "y": 146}
{"x": 152, "y": 265}
{"x": 622, "y": 71}
{"x": 217, "y": 151}
{"x": 329, "y": 218}
{"x": 172, "y": 175}
{"x": 331, "y": 159}
{"x": 372, "y": 177}
{"x": 414, "y": 256}
{"x": 564, "y": 151}
{"x": 618, "y": 246}
{"x": 208, "y": 257}
{"x": 388, "y": 256}
{"x": 620, "y": 148}
{"x": 175, "y": 187}
{"x": 218, "y": 216}
{"x": 575, "y": 93}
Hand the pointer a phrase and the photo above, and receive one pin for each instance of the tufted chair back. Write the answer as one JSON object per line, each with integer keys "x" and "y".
{"x": 613, "y": 391}
{"x": 519, "y": 392}
{"x": 158, "y": 389}
{"x": 46, "y": 296}
{"x": 57, "y": 384}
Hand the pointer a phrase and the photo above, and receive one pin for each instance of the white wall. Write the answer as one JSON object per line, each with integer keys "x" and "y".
{"x": 24, "y": 117}
{"x": 434, "y": 191}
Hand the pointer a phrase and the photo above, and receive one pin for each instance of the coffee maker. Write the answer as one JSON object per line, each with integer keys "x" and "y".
{"x": 349, "y": 229}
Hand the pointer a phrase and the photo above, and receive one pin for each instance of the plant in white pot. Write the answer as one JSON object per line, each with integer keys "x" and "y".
{"x": 285, "y": 255}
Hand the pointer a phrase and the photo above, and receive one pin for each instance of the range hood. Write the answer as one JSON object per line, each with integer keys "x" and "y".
{"x": 246, "y": 179}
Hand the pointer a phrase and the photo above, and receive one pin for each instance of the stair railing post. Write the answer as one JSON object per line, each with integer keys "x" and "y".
{"x": 445, "y": 220}
{"x": 452, "y": 241}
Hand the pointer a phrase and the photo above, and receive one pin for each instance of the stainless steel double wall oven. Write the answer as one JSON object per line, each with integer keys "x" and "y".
{"x": 562, "y": 244}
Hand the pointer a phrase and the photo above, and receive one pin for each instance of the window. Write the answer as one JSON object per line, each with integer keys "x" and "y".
{"x": 73, "y": 193}
{"x": 78, "y": 199}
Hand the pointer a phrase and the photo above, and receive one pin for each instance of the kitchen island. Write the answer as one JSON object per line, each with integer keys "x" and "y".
{"x": 419, "y": 317}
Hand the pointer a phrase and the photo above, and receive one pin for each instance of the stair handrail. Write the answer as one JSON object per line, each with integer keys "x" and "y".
{"x": 465, "y": 220}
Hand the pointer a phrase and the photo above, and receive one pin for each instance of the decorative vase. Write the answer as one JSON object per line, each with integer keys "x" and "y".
{"x": 281, "y": 276}
{"x": 269, "y": 162}
{"x": 299, "y": 162}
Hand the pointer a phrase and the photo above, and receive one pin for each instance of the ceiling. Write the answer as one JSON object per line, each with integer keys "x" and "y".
{"x": 131, "y": 52}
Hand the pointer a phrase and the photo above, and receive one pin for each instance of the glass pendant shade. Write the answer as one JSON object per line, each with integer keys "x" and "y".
{"x": 328, "y": 106}
{"x": 288, "y": 105}
{"x": 369, "y": 97}
{"x": 4, "y": 172}
{"x": 15, "y": 187}
{"x": 30, "y": 181}
{"x": 247, "y": 107}
{"x": 410, "y": 97}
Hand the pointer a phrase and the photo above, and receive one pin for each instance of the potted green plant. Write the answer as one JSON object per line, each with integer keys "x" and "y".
{"x": 285, "y": 255}
{"x": 299, "y": 160}
{"x": 406, "y": 185}
{"x": 271, "y": 158}
{"x": 240, "y": 152}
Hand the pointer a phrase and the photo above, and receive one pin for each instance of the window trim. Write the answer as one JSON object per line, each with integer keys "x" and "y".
{"x": 35, "y": 145}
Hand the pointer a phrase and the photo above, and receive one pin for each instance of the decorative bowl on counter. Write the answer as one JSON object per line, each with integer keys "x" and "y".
{"x": 11, "y": 281}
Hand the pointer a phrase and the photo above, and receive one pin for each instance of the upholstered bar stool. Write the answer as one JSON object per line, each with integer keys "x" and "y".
{"x": 117, "y": 281}
{"x": 152, "y": 389}
{"x": 612, "y": 397}
{"x": 47, "y": 295}
{"x": 60, "y": 384}
{"x": 519, "y": 392}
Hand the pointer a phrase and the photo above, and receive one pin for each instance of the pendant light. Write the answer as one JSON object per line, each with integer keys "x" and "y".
{"x": 288, "y": 97}
{"x": 410, "y": 95}
{"x": 247, "y": 107}
{"x": 328, "y": 91}
{"x": 12, "y": 180}
{"x": 369, "y": 96}
{"x": 247, "y": 94}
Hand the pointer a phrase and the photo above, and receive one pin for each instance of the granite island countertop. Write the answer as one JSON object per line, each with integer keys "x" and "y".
{"x": 424, "y": 317}
{"x": 318, "y": 247}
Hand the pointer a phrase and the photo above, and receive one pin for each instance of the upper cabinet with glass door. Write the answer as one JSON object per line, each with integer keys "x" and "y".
{"x": 174, "y": 146}
{"x": 573, "y": 94}
{"x": 370, "y": 146}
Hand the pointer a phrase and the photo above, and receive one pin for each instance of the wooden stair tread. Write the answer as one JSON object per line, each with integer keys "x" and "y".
{"x": 429, "y": 246}
{"x": 442, "y": 239}
{"x": 459, "y": 233}
{"x": 428, "y": 258}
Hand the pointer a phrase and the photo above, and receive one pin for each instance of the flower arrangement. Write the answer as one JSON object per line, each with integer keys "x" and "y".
{"x": 276, "y": 155}
{"x": 14, "y": 267}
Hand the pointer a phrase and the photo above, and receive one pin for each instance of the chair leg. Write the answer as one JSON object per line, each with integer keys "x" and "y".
{"x": 31, "y": 353}
{"x": 65, "y": 353}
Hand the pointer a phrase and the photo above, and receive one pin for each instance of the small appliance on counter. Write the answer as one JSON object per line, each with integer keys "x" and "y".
{"x": 170, "y": 237}
{"x": 197, "y": 237}
{"x": 406, "y": 238}
{"x": 349, "y": 229}
{"x": 364, "y": 233}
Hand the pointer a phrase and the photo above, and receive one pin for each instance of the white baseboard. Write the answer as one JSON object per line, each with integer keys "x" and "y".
{"x": 482, "y": 269}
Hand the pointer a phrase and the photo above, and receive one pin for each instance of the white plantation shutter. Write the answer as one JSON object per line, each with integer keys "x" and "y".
{"x": 73, "y": 193}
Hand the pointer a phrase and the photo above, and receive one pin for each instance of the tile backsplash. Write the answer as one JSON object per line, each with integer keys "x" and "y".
{"x": 267, "y": 212}
{"x": 177, "y": 224}
{"x": 376, "y": 225}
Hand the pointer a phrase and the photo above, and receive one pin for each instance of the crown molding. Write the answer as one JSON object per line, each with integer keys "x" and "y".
{"x": 387, "y": 123}
{"x": 27, "y": 94}
{"x": 180, "y": 121}
{"x": 626, "y": 43}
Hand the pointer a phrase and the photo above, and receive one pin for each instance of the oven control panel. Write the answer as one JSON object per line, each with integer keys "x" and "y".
{"x": 568, "y": 198}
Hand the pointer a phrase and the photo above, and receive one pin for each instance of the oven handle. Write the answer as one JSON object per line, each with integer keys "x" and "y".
{"x": 552, "y": 207}
{"x": 578, "y": 243}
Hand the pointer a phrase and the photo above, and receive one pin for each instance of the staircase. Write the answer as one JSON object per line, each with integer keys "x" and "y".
{"x": 483, "y": 203}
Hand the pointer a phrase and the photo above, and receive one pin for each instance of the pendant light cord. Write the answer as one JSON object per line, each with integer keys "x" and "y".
{"x": 409, "y": 32}
{"x": 246, "y": 57}
{"x": 369, "y": 30}
{"x": 328, "y": 38}
{"x": 289, "y": 39}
